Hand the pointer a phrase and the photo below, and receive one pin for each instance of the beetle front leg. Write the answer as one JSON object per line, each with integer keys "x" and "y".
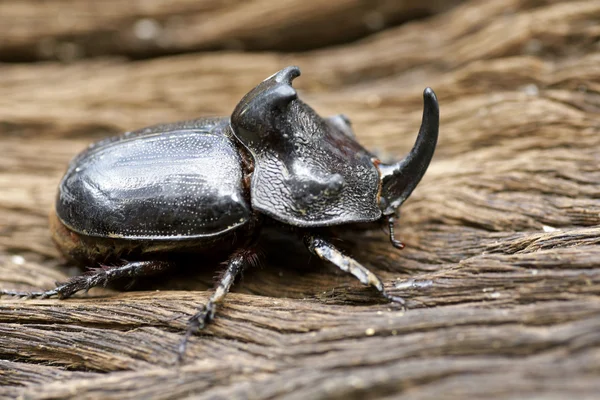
{"x": 100, "y": 276}
{"x": 326, "y": 251}
{"x": 236, "y": 264}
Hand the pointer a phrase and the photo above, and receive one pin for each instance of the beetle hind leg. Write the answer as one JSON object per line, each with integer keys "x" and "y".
{"x": 100, "y": 276}
{"x": 206, "y": 313}
{"x": 326, "y": 251}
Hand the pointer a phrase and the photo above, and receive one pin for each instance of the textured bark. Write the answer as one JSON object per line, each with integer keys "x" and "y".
{"x": 500, "y": 271}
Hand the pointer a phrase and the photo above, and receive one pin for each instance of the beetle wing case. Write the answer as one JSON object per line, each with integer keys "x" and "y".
{"x": 167, "y": 182}
{"x": 308, "y": 171}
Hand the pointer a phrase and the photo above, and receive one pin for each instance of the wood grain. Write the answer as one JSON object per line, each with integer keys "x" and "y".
{"x": 68, "y": 30}
{"x": 500, "y": 270}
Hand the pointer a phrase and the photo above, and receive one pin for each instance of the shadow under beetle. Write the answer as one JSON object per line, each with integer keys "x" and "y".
{"x": 210, "y": 184}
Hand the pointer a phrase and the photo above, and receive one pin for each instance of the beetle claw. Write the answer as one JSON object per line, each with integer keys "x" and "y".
{"x": 397, "y": 244}
{"x": 396, "y": 300}
{"x": 196, "y": 323}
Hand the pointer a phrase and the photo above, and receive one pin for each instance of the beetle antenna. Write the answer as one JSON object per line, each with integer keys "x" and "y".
{"x": 400, "y": 179}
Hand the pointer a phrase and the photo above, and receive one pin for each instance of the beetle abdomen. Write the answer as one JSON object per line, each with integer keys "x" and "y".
{"x": 181, "y": 180}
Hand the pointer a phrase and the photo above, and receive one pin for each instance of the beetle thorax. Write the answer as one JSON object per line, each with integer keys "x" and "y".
{"x": 308, "y": 172}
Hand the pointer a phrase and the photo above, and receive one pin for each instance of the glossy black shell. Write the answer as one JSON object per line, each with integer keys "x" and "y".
{"x": 309, "y": 171}
{"x": 166, "y": 182}
{"x": 197, "y": 180}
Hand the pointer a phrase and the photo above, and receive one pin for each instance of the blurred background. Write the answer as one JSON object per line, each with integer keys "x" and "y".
{"x": 69, "y": 30}
{"x": 101, "y": 67}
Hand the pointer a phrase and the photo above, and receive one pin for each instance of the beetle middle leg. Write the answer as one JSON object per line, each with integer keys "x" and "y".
{"x": 235, "y": 266}
{"x": 100, "y": 276}
{"x": 326, "y": 251}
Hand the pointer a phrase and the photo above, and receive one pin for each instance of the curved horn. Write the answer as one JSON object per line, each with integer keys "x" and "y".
{"x": 287, "y": 75}
{"x": 400, "y": 179}
{"x": 254, "y": 116}
{"x": 278, "y": 88}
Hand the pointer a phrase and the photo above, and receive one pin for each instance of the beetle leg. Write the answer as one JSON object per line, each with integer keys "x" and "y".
{"x": 235, "y": 266}
{"x": 97, "y": 276}
{"x": 326, "y": 251}
{"x": 29, "y": 295}
{"x": 395, "y": 242}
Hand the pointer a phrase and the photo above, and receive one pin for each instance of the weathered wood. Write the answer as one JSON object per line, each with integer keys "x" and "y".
{"x": 500, "y": 271}
{"x": 71, "y": 29}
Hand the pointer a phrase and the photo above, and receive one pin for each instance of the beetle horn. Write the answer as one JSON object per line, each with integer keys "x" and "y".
{"x": 287, "y": 75}
{"x": 282, "y": 92}
{"x": 277, "y": 89}
{"x": 253, "y": 119}
{"x": 400, "y": 179}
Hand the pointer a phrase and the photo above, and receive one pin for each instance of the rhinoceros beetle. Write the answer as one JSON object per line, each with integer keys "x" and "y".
{"x": 211, "y": 184}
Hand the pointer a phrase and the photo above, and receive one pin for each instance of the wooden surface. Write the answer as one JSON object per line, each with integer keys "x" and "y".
{"x": 501, "y": 270}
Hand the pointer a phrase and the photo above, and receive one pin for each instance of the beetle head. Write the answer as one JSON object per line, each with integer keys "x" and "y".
{"x": 308, "y": 171}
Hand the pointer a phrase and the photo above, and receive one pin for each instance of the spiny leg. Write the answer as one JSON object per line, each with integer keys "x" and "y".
{"x": 326, "y": 251}
{"x": 236, "y": 264}
{"x": 395, "y": 242}
{"x": 96, "y": 277}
